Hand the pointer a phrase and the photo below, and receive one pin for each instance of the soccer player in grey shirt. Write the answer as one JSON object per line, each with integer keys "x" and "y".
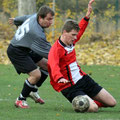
{"x": 28, "y": 52}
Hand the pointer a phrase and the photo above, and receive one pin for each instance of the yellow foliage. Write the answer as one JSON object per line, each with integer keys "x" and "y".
{"x": 99, "y": 53}
{"x": 3, "y": 56}
{"x": 109, "y": 13}
{"x": 6, "y": 31}
{"x": 93, "y": 48}
{"x": 6, "y": 34}
{"x": 10, "y": 7}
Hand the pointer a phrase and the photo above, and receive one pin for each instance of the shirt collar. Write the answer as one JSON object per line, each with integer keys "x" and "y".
{"x": 61, "y": 42}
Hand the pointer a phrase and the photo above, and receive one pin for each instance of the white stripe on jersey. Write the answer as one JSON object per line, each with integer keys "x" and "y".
{"x": 74, "y": 69}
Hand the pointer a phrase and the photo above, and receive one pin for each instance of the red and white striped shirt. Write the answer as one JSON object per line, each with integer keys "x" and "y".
{"x": 62, "y": 62}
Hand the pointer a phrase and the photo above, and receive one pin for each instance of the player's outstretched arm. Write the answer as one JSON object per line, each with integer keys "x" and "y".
{"x": 89, "y": 8}
{"x": 18, "y": 20}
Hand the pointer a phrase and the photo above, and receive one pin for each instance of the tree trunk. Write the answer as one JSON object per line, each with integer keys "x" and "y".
{"x": 26, "y": 7}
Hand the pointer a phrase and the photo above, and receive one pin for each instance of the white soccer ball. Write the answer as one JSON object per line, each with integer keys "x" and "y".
{"x": 80, "y": 103}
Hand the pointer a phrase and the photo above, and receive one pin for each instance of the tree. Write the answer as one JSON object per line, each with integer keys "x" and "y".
{"x": 26, "y": 7}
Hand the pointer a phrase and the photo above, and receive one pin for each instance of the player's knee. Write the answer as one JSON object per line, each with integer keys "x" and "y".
{"x": 113, "y": 103}
{"x": 36, "y": 76}
{"x": 93, "y": 108}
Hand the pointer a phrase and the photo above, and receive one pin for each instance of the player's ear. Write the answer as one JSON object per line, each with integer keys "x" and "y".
{"x": 39, "y": 17}
{"x": 64, "y": 31}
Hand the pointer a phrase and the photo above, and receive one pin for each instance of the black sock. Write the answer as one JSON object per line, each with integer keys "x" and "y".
{"x": 27, "y": 88}
{"x": 44, "y": 75}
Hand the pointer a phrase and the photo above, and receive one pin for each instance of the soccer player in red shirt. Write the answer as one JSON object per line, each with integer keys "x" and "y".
{"x": 66, "y": 75}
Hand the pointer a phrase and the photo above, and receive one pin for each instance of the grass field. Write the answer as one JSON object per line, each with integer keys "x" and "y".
{"x": 56, "y": 106}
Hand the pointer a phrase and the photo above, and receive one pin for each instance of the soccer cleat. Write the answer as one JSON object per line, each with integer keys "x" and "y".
{"x": 21, "y": 104}
{"x": 35, "y": 96}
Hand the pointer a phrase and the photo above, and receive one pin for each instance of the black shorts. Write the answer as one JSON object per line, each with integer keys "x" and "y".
{"x": 23, "y": 59}
{"x": 85, "y": 86}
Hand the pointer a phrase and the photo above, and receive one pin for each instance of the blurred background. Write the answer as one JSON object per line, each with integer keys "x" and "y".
{"x": 99, "y": 45}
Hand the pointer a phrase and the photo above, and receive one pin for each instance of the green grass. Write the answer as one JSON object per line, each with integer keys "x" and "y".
{"x": 56, "y": 106}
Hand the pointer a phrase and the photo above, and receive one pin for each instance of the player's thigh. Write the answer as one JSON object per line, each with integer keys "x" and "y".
{"x": 90, "y": 87}
{"x": 105, "y": 97}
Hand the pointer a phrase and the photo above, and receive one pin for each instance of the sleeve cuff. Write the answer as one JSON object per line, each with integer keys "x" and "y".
{"x": 86, "y": 18}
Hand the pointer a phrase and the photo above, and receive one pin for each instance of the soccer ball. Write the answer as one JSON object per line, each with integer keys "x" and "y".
{"x": 80, "y": 103}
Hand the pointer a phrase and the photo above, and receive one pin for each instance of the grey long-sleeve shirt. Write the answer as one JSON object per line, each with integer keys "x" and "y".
{"x": 31, "y": 35}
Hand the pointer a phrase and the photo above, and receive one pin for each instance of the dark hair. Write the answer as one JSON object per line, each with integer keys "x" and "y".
{"x": 70, "y": 25}
{"x": 43, "y": 11}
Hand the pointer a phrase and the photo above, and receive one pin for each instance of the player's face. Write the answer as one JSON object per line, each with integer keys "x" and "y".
{"x": 70, "y": 37}
{"x": 47, "y": 21}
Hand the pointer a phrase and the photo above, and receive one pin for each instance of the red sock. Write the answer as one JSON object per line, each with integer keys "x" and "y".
{"x": 99, "y": 104}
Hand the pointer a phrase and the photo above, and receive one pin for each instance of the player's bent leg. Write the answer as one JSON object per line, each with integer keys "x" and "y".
{"x": 43, "y": 69}
{"x": 33, "y": 79}
{"x": 106, "y": 98}
{"x": 34, "y": 94}
{"x": 29, "y": 85}
{"x": 93, "y": 106}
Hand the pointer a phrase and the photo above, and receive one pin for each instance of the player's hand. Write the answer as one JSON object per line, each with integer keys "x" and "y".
{"x": 91, "y": 1}
{"x": 11, "y": 21}
{"x": 62, "y": 80}
{"x": 89, "y": 8}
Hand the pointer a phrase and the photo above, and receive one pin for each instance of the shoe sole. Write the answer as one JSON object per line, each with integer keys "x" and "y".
{"x": 39, "y": 102}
